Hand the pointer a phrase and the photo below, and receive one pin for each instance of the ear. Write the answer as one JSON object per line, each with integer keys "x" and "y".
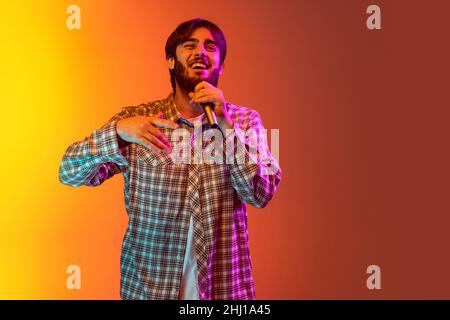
{"x": 221, "y": 68}
{"x": 171, "y": 63}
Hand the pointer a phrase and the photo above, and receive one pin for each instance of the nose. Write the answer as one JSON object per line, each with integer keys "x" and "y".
{"x": 200, "y": 50}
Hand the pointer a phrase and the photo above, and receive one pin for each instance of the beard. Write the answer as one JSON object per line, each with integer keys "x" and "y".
{"x": 188, "y": 83}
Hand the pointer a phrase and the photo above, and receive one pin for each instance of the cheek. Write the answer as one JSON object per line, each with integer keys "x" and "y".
{"x": 216, "y": 60}
{"x": 182, "y": 57}
{"x": 182, "y": 61}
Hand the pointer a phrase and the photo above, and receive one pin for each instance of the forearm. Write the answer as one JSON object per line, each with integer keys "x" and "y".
{"x": 255, "y": 174}
{"x": 95, "y": 159}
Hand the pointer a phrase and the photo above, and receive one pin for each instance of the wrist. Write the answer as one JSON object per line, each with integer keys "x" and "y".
{"x": 121, "y": 142}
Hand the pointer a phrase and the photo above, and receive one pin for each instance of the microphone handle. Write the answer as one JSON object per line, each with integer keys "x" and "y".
{"x": 210, "y": 115}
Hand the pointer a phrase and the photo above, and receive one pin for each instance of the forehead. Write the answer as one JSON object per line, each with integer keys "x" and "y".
{"x": 201, "y": 34}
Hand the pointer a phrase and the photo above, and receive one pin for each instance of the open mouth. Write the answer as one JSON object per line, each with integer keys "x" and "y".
{"x": 199, "y": 66}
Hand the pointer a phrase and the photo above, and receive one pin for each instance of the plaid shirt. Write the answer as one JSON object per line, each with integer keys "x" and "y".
{"x": 161, "y": 196}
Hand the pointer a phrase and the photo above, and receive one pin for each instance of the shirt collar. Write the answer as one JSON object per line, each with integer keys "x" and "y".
{"x": 172, "y": 112}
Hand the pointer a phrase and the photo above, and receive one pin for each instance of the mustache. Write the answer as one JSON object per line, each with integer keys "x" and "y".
{"x": 188, "y": 83}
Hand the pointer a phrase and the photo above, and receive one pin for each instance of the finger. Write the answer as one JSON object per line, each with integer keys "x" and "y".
{"x": 148, "y": 144}
{"x": 202, "y": 93}
{"x": 206, "y": 99}
{"x": 203, "y": 84}
{"x": 159, "y": 115}
{"x": 156, "y": 141}
{"x": 164, "y": 123}
{"x": 158, "y": 134}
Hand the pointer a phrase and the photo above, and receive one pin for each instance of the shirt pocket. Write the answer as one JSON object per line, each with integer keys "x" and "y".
{"x": 152, "y": 158}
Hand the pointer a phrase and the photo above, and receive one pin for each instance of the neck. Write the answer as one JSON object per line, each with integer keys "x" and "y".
{"x": 187, "y": 109}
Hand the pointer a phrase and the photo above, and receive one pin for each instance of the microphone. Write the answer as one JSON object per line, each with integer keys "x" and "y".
{"x": 210, "y": 115}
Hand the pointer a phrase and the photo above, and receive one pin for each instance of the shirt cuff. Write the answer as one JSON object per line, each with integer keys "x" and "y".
{"x": 106, "y": 143}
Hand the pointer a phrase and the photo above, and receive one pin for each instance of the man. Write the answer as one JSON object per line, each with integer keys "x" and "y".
{"x": 187, "y": 236}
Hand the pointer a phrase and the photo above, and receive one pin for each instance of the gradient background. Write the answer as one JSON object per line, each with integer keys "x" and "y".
{"x": 363, "y": 118}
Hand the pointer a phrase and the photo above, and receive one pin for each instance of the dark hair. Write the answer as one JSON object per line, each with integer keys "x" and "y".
{"x": 184, "y": 31}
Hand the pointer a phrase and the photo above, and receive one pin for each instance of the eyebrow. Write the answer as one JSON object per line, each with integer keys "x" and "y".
{"x": 207, "y": 41}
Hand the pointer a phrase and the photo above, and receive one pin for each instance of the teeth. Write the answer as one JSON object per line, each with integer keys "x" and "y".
{"x": 198, "y": 64}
